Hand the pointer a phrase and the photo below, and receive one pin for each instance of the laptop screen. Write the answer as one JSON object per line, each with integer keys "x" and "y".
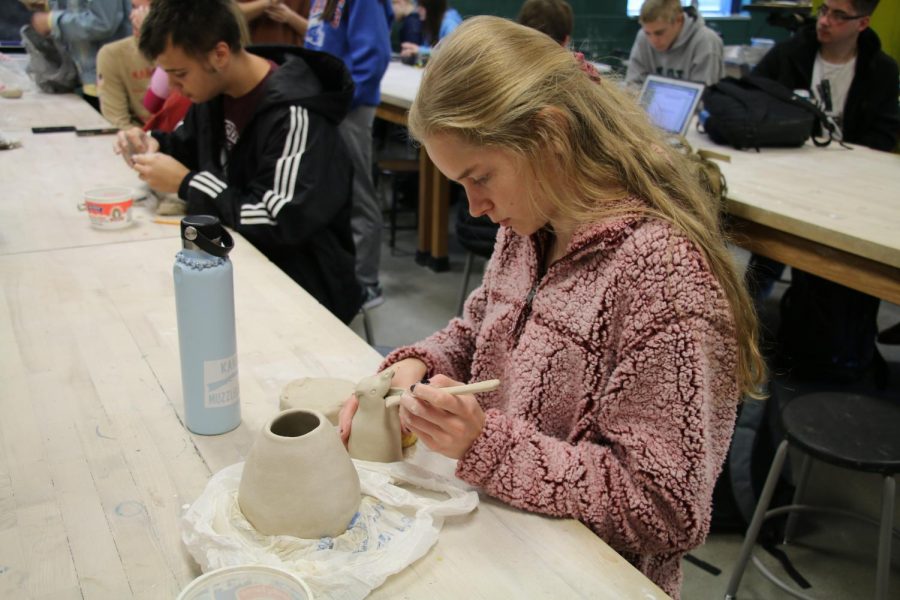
{"x": 670, "y": 102}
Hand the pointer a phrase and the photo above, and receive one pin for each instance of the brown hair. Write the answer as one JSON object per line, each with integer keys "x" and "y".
{"x": 864, "y": 7}
{"x": 553, "y": 17}
{"x": 498, "y": 84}
{"x": 660, "y": 10}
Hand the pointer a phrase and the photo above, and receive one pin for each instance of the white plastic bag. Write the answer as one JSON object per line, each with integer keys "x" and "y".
{"x": 393, "y": 528}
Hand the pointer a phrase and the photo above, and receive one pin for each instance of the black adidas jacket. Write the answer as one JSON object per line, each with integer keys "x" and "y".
{"x": 287, "y": 184}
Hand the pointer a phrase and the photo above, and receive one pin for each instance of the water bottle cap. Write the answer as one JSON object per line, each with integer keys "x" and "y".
{"x": 207, "y": 233}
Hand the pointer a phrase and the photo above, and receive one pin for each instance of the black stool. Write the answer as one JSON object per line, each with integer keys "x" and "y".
{"x": 856, "y": 432}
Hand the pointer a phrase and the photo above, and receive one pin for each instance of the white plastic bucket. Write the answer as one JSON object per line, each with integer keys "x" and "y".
{"x": 259, "y": 582}
{"x": 109, "y": 207}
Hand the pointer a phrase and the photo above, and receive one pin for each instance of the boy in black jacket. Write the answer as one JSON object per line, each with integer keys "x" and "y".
{"x": 259, "y": 148}
{"x": 841, "y": 63}
{"x": 862, "y": 80}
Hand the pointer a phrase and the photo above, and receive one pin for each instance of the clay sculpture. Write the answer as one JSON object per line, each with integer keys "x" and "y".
{"x": 375, "y": 432}
{"x": 323, "y": 394}
{"x": 298, "y": 479}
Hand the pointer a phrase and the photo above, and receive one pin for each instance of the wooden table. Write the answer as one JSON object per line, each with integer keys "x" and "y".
{"x": 398, "y": 90}
{"x": 43, "y": 182}
{"x": 832, "y": 212}
{"x": 95, "y": 464}
{"x": 829, "y": 211}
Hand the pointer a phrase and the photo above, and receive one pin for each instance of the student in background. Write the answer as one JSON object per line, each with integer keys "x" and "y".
{"x": 259, "y": 147}
{"x": 276, "y": 21}
{"x": 675, "y": 42}
{"x": 358, "y": 32}
{"x": 438, "y": 21}
{"x": 840, "y": 62}
{"x": 407, "y": 26}
{"x": 84, "y": 26}
{"x": 862, "y": 82}
{"x": 553, "y": 17}
{"x": 611, "y": 309}
{"x": 123, "y": 75}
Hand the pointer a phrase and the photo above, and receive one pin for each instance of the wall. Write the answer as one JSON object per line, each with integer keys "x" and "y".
{"x": 886, "y": 23}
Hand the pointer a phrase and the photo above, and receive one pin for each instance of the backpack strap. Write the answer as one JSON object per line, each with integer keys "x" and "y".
{"x": 777, "y": 90}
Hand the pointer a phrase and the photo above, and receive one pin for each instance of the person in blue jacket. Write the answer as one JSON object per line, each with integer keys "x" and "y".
{"x": 358, "y": 32}
{"x": 439, "y": 21}
{"x": 84, "y": 26}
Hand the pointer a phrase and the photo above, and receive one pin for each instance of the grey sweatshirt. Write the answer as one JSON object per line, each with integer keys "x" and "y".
{"x": 696, "y": 55}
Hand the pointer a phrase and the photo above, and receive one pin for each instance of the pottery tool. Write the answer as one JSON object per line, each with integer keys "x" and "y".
{"x": 489, "y": 385}
{"x": 167, "y": 221}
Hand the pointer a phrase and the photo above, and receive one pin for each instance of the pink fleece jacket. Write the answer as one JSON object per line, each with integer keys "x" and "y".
{"x": 619, "y": 388}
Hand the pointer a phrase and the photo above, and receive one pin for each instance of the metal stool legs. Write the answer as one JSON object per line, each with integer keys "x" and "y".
{"x": 883, "y": 572}
{"x": 798, "y": 496}
{"x": 886, "y": 526}
{"x": 756, "y": 522}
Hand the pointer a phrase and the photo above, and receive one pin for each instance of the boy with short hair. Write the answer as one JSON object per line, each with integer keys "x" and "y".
{"x": 259, "y": 148}
{"x": 553, "y": 17}
{"x": 675, "y": 42}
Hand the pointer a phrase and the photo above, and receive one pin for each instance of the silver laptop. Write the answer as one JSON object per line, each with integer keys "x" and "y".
{"x": 670, "y": 102}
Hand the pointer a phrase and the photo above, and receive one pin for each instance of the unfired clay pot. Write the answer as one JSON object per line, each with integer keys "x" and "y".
{"x": 324, "y": 394}
{"x": 298, "y": 479}
{"x": 375, "y": 431}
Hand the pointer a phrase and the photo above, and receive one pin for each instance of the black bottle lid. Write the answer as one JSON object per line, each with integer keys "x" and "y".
{"x": 206, "y": 233}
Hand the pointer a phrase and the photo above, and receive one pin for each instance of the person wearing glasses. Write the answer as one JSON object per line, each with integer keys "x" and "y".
{"x": 840, "y": 62}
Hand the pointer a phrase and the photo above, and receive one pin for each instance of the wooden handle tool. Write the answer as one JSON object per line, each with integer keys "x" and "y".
{"x": 488, "y": 385}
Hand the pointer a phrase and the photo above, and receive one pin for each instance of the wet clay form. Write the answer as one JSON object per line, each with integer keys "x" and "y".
{"x": 323, "y": 394}
{"x": 298, "y": 479}
{"x": 375, "y": 432}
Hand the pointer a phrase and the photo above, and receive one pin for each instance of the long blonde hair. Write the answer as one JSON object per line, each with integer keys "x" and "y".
{"x": 590, "y": 147}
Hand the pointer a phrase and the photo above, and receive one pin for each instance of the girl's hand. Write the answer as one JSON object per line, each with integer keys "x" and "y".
{"x": 406, "y": 372}
{"x": 446, "y": 423}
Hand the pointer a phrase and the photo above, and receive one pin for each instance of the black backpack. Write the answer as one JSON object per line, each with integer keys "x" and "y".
{"x": 753, "y": 112}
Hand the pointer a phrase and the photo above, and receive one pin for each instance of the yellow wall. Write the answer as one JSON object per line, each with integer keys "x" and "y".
{"x": 886, "y": 23}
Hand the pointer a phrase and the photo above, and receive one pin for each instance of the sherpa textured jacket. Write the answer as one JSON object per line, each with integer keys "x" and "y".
{"x": 619, "y": 388}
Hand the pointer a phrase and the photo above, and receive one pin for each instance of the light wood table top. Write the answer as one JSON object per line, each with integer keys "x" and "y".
{"x": 400, "y": 84}
{"x": 95, "y": 465}
{"x": 38, "y": 109}
{"x": 831, "y": 211}
{"x": 43, "y": 182}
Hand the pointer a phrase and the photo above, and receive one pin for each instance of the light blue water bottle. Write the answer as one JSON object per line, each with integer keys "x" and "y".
{"x": 204, "y": 300}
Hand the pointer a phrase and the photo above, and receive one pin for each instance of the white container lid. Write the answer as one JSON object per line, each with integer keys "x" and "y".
{"x": 259, "y": 582}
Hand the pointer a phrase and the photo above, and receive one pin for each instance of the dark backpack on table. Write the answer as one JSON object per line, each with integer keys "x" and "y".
{"x": 755, "y": 112}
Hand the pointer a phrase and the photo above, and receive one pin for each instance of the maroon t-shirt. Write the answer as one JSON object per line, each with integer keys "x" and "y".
{"x": 239, "y": 110}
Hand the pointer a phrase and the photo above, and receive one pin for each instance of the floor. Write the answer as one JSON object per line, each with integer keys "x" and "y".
{"x": 835, "y": 555}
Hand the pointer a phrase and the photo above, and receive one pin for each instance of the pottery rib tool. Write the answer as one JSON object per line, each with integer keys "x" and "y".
{"x": 489, "y": 385}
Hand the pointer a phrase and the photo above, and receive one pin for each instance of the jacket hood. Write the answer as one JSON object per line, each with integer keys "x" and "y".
{"x": 693, "y": 23}
{"x": 316, "y": 80}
